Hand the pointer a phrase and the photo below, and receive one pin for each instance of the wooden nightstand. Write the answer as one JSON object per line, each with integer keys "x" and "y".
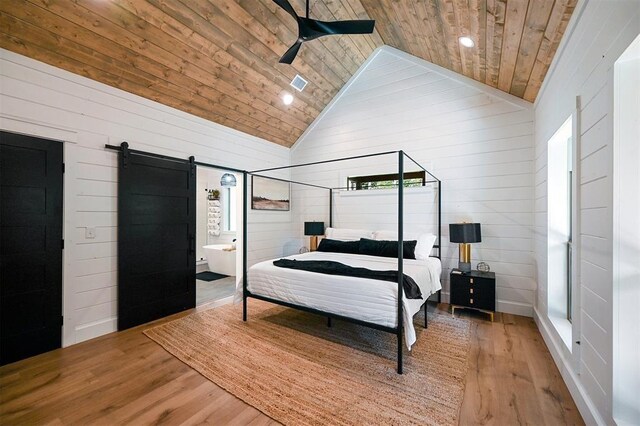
{"x": 473, "y": 290}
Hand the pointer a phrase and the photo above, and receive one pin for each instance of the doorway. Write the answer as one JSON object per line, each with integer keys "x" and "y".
{"x": 218, "y": 208}
{"x": 31, "y": 245}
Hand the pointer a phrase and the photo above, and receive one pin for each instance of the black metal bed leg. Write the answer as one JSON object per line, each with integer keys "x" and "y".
{"x": 439, "y": 296}
{"x": 400, "y": 352}
{"x": 244, "y": 308}
{"x": 329, "y": 322}
{"x": 425, "y": 315}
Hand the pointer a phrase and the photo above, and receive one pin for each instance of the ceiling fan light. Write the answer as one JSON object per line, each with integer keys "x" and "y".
{"x": 287, "y": 98}
{"x": 466, "y": 41}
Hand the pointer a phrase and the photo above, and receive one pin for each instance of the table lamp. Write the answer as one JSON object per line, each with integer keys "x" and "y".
{"x": 464, "y": 234}
{"x": 313, "y": 229}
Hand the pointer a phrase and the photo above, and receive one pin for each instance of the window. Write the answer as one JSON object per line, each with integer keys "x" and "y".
{"x": 390, "y": 181}
{"x": 229, "y": 205}
{"x": 560, "y": 229}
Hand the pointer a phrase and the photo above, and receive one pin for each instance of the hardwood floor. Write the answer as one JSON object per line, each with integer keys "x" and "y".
{"x": 126, "y": 378}
{"x": 512, "y": 379}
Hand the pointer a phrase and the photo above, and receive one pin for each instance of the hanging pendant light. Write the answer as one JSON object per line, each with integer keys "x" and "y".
{"x": 228, "y": 180}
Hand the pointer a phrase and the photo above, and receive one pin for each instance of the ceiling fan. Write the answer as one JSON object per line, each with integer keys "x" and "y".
{"x": 310, "y": 29}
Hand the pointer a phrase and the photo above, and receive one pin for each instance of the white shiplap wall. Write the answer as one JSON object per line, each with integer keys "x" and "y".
{"x": 583, "y": 68}
{"x": 44, "y": 101}
{"x": 477, "y": 140}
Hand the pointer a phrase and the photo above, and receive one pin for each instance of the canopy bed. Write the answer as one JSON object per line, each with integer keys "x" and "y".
{"x": 361, "y": 298}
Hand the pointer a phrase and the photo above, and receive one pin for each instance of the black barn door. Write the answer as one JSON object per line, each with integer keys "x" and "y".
{"x": 30, "y": 246}
{"x": 156, "y": 238}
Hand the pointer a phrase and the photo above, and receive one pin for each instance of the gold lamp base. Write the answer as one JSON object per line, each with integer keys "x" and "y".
{"x": 313, "y": 243}
{"x": 464, "y": 260}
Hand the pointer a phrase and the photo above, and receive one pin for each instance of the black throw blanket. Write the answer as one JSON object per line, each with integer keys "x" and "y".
{"x": 411, "y": 289}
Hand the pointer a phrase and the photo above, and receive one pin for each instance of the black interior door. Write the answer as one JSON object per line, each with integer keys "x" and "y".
{"x": 30, "y": 246}
{"x": 156, "y": 238}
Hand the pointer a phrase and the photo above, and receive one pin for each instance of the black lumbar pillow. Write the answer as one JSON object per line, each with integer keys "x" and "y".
{"x": 384, "y": 248}
{"x": 337, "y": 246}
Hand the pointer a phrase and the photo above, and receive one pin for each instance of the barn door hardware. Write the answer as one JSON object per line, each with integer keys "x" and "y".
{"x": 192, "y": 165}
{"x": 125, "y": 154}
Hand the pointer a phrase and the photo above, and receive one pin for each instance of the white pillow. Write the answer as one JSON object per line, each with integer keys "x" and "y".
{"x": 423, "y": 247}
{"x": 345, "y": 234}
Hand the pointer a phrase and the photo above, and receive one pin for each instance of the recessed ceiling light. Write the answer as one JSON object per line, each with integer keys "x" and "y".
{"x": 287, "y": 98}
{"x": 466, "y": 42}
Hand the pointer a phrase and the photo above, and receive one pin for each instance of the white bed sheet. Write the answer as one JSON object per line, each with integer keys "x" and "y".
{"x": 360, "y": 298}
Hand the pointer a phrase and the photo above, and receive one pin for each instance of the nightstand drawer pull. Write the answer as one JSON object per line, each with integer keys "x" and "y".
{"x": 471, "y": 301}
{"x": 471, "y": 291}
{"x": 471, "y": 280}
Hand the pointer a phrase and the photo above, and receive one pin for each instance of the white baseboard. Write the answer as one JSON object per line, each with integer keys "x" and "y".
{"x": 585, "y": 405}
{"x": 514, "y": 308}
{"x": 96, "y": 329}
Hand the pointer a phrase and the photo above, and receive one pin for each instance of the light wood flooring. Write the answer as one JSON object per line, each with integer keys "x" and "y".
{"x": 126, "y": 378}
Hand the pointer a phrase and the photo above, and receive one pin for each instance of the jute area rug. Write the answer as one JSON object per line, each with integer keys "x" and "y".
{"x": 292, "y": 367}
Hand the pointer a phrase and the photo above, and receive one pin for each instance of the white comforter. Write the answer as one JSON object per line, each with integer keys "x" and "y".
{"x": 360, "y": 298}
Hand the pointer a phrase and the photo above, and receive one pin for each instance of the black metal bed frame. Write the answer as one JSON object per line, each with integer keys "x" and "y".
{"x": 399, "y": 329}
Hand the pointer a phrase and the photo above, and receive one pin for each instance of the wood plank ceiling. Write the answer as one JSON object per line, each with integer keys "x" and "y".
{"x": 218, "y": 59}
{"x": 515, "y": 40}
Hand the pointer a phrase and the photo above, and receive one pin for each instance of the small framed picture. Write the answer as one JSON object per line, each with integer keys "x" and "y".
{"x": 270, "y": 194}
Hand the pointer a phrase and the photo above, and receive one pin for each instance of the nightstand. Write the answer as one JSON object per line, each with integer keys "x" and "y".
{"x": 473, "y": 290}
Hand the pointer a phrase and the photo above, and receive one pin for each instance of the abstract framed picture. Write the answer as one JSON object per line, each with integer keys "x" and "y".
{"x": 270, "y": 194}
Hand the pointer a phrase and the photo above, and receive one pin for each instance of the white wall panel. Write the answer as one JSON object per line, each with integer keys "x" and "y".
{"x": 479, "y": 142}
{"x": 599, "y": 33}
{"x": 44, "y": 101}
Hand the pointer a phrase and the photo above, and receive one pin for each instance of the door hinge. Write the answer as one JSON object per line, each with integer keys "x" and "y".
{"x": 62, "y": 244}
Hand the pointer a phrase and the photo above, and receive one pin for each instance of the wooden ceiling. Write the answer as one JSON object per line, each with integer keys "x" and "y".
{"x": 515, "y": 40}
{"x": 218, "y": 59}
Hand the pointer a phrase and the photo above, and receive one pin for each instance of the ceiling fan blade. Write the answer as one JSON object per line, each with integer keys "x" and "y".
{"x": 284, "y": 4}
{"x": 345, "y": 27}
{"x": 290, "y": 54}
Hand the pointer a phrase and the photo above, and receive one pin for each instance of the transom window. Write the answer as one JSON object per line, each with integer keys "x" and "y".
{"x": 390, "y": 181}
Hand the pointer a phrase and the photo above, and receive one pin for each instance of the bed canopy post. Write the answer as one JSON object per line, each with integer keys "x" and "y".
{"x": 400, "y": 254}
{"x": 439, "y": 231}
{"x": 439, "y": 220}
{"x": 330, "y": 208}
{"x": 245, "y": 178}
